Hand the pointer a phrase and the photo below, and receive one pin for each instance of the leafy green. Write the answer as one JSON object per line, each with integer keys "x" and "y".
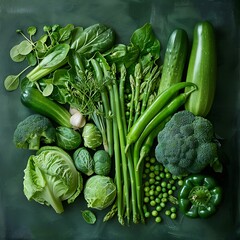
{"x": 96, "y": 38}
{"x": 145, "y": 39}
{"x": 89, "y": 216}
{"x": 50, "y": 177}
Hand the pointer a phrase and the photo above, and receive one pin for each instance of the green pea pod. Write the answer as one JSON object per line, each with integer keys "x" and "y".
{"x": 199, "y": 196}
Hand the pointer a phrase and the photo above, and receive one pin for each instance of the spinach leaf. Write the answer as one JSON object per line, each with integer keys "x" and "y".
{"x": 145, "y": 39}
{"x": 122, "y": 54}
{"x": 96, "y": 38}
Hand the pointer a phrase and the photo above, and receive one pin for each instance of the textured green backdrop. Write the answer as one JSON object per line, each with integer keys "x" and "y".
{"x": 20, "y": 219}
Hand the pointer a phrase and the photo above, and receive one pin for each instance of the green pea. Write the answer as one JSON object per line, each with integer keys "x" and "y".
{"x": 163, "y": 184}
{"x": 167, "y": 212}
{"x": 146, "y": 199}
{"x": 147, "y": 165}
{"x": 147, "y": 170}
{"x": 170, "y": 192}
{"x": 152, "y": 160}
{"x": 157, "y": 200}
{"x": 158, "y": 188}
{"x": 157, "y": 177}
{"x": 165, "y": 195}
{"x": 151, "y": 192}
{"x": 173, "y": 216}
{"x": 162, "y": 204}
{"x": 154, "y": 213}
{"x": 164, "y": 189}
{"x": 174, "y": 188}
{"x": 158, "y": 219}
{"x": 166, "y": 170}
{"x": 151, "y": 175}
{"x": 157, "y": 167}
{"x": 153, "y": 203}
{"x": 151, "y": 181}
{"x": 168, "y": 175}
{"x": 152, "y": 168}
{"x": 147, "y": 214}
{"x": 180, "y": 182}
{"x": 162, "y": 175}
{"x": 164, "y": 200}
{"x": 146, "y": 189}
{"x": 158, "y": 208}
{"x": 173, "y": 209}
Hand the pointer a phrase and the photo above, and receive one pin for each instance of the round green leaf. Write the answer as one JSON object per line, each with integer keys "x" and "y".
{"x": 15, "y": 55}
{"x": 32, "y": 30}
{"x": 25, "y": 47}
{"x": 11, "y": 82}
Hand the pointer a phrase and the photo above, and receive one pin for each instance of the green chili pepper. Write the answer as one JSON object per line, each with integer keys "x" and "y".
{"x": 199, "y": 196}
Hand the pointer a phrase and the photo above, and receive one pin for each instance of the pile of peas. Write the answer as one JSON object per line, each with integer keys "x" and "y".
{"x": 159, "y": 190}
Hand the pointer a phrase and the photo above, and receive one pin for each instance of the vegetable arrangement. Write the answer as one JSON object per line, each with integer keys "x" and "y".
{"x": 100, "y": 107}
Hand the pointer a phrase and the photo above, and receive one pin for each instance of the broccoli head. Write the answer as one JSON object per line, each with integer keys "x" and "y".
{"x": 32, "y": 131}
{"x": 186, "y": 144}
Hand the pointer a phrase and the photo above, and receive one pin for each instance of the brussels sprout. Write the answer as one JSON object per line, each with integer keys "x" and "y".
{"x": 83, "y": 161}
{"x": 102, "y": 162}
{"x": 67, "y": 138}
{"x": 99, "y": 192}
{"x": 92, "y": 137}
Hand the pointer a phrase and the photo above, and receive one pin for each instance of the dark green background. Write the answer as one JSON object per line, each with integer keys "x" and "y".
{"x": 20, "y": 219}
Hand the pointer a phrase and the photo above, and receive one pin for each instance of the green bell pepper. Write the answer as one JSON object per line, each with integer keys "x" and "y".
{"x": 199, "y": 196}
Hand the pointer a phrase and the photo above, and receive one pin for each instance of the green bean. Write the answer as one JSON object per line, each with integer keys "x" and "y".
{"x": 152, "y": 111}
{"x": 170, "y": 109}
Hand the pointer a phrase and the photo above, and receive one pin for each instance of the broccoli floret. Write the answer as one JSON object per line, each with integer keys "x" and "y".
{"x": 33, "y": 130}
{"x": 186, "y": 144}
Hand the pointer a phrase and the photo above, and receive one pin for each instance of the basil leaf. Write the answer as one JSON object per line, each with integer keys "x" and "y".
{"x": 89, "y": 216}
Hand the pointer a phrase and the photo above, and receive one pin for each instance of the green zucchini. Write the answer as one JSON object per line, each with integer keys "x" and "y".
{"x": 202, "y": 69}
{"x": 174, "y": 59}
{"x": 34, "y": 100}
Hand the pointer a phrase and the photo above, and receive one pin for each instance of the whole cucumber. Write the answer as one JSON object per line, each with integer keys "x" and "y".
{"x": 202, "y": 69}
{"x": 174, "y": 59}
{"x": 34, "y": 100}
